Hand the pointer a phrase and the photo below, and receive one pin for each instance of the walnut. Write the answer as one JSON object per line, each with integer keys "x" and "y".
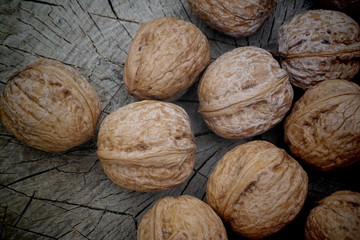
{"x": 336, "y": 217}
{"x": 49, "y": 106}
{"x": 234, "y": 18}
{"x": 319, "y": 45}
{"x": 165, "y": 59}
{"x": 184, "y": 218}
{"x": 244, "y": 93}
{"x": 147, "y": 146}
{"x": 257, "y": 189}
{"x": 324, "y": 126}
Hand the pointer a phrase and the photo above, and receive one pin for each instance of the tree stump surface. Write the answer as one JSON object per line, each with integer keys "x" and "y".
{"x": 67, "y": 195}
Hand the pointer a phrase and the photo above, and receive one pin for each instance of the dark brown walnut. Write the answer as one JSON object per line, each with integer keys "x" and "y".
{"x": 234, "y": 18}
{"x": 244, "y": 93}
{"x": 319, "y": 45}
{"x": 165, "y": 59}
{"x": 324, "y": 126}
{"x": 257, "y": 189}
{"x": 49, "y": 106}
{"x": 147, "y": 146}
{"x": 336, "y": 217}
{"x": 181, "y": 218}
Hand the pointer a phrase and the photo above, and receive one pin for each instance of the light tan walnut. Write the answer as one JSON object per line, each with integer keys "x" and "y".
{"x": 324, "y": 126}
{"x": 49, "y": 106}
{"x": 319, "y": 45}
{"x": 244, "y": 93}
{"x": 147, "y": 146}
{"x": 336, "y": 217}
{"x": 181, "y": 218}
{"x": 257, "y": 189}
{"x": 234, "y": 18}
{"x": 165, "y": 59}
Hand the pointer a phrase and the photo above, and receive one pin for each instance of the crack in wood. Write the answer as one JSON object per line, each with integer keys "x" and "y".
{"x": 116, "y": 18}
{"x": 43, "y": 2}
{"x": 24, "y": 210}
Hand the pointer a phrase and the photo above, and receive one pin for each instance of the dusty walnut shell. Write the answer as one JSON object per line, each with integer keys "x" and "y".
{"x": 147, "y": 146}
{"x": 49, "y": 106}
{"x": 257, "y": 189}
{"x": 336, "y": 217}
{"x": 319, "y": 45}
{"x": 180, "y": 218}
{"x": 324, "y": 126}
{"x": 244, "y": 93}
{"x": 165, "y": 59}
{"x": 234, "y": 18}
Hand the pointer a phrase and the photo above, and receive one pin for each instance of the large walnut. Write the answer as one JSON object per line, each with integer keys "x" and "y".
{"x": 165, "y": 59}
{"x": 181, "y": 218}
{"x": 336, "y": 217}
{"x": 147, "y": 146}
{"x": 49, "y": 106}
{"x": 319, "y": 45}
{"x": 244, "y": 93}
{"x": 257, "y": 189}
{"x": 324, "y": 126}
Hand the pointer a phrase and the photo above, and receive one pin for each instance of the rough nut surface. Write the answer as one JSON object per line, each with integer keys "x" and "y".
{"x": 257, "y": 189}
{"x": 319, "y": 45}
{"x": 182, "y": 218}
{"x": 234, "y": 18}
{"x": 49, "y": 106}
{"x": 165, "y": 59}
{"x": 147, "y": 146}
{"x": 336, "y": 217}
{"x": 244, "y": 93}
{"x": 324, "y": 126}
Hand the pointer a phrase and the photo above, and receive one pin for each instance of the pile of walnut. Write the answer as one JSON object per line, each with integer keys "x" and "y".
{"x": 256, "y": 188}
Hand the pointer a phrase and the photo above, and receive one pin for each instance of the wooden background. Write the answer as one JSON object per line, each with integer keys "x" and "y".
{"x": 67, "y": 195}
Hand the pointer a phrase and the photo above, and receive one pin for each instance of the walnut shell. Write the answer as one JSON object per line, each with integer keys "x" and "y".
{"x": 336, "y": 217}
{"x": 323, "y": 128}
{"x": 184, "y": 217}
{"x": 234, "y": 18}
{"x": 244, "y": 93}
{"x": 257, "y": 189}
{"x": 147, "y": 146}
{"x": 49, "y": 106}
{"x": 319, "y": 45}
{"x": 165, "y": 59}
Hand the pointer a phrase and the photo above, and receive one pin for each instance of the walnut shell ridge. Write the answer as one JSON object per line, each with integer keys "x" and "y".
{"x": 244, "y": 93}
{"x": 147, "y": 146}
{"x": 323, "y": 128}
{"x": 165, "y": 59}
{"x": 49, "y": 106}
{"x": 184, "y": 217}
{"x": 257, "y": 189}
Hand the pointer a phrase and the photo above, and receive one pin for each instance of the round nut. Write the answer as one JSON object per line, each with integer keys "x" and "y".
{"x": 234, "y": 18}
{"x": 184, "y": 217}
{"x": 147, "y": 146}
{"x": 257, "y": 189}
{"x": 319, "y": 45}
{"x": 336, "y": 217}
{"x": 244, "y": 93}
{"x": 165, "y": 59}
{"x": 324, "y": 126}
{"x": 49, "y": 106}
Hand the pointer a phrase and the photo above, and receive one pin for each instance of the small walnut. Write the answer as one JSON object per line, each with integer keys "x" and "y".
{"x": 257, "y": 189}
{"x": 49, "y": 106}
{"x": 319, "y": 45}
{"x": 234, "y": 18}
{"x": 244, "y": 93}
{"x": 180, "y": 218}
{"x": 147, "y": 146}
{"x": 165, "y": 59}
{"x": 336, "y": 217}
{"x": 324, "y": 126}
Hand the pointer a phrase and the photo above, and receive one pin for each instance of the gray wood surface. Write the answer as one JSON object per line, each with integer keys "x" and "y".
{"x": 67, "y": 195}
